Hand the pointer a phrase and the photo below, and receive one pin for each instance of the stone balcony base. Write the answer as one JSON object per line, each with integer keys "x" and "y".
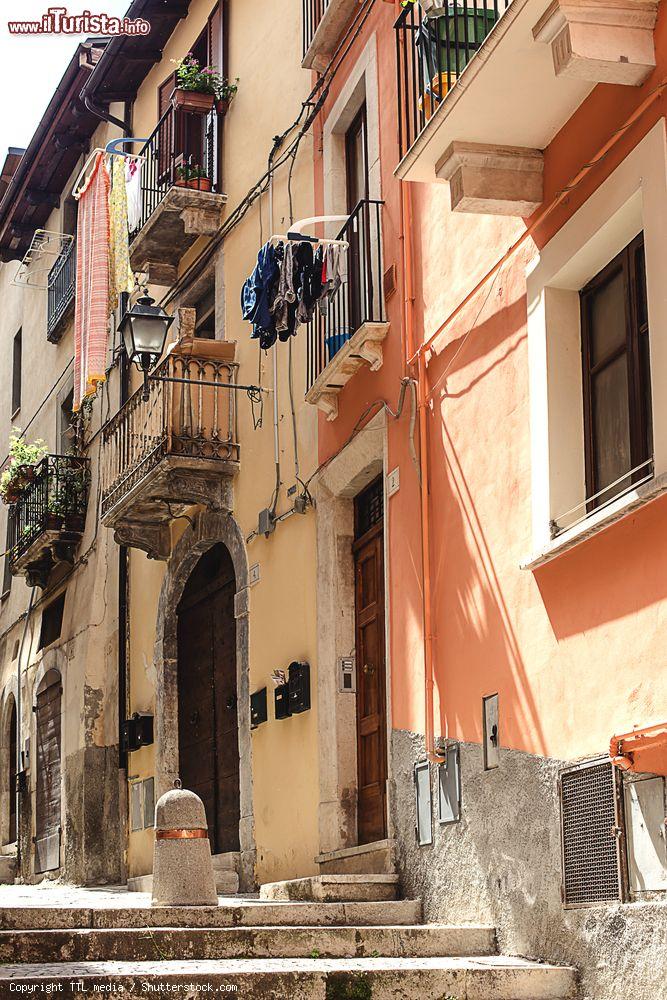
{"x": 363, "y": 347}
{"x": 603, "y": 42}
{"x": 51, "y": 547}
{"x": 183, "y": 215}
{"x": 142, "y": 517}
{"x": 492, "y": 180}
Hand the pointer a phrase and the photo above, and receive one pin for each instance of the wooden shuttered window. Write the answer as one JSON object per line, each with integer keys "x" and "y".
{"x": 616, "y": 376}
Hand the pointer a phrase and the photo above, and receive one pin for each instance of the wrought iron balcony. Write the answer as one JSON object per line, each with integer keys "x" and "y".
{"x": 47, "y": 521}
{"x": 175, "y": 449}
{"x": 432, "y": 53}
{"x": 354, "y": 326}
{"x": 61, "y": 289}
{"x": 180, "y": 190}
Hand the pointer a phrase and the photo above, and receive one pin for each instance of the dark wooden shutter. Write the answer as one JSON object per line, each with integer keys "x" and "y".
{"x": 166, "y": 138}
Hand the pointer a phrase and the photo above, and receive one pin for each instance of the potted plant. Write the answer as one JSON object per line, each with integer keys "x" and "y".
{"x": 67, "y": 497}
{"x": 197, "y": 87}
{"x": 192, "y": 177}
{"x": 23, "y": 457}
{"x": 226, "y": 95}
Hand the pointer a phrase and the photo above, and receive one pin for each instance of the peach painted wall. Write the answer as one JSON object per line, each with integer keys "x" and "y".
{"x": 575, "y": 649}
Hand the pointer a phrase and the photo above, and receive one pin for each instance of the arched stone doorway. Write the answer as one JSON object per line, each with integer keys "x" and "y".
{"x": 209, "y": 529}
{"x": 8, "y": 825}
{"x": 208, "y": 738}
{"x": 11, "y": 785}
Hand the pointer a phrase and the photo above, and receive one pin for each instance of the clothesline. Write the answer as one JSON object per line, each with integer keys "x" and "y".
{"x": 315, "y": 240}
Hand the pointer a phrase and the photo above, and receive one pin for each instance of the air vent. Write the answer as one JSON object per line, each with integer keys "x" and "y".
{"x": 592, "y": 834}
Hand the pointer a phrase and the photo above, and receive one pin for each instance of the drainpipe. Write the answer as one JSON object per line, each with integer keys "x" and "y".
{"x": 19, "y": 741}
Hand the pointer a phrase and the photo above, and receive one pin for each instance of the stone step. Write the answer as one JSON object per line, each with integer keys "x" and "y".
{"x": 149, "y": 944}
{"x": 333, "y": 889}
{"x": 228, "y": 862}
{"x": 378, "y": 858}
{"x": 245, "y": 913}
{"x": 482, "y": 978}
{"x": 7, "y": 868}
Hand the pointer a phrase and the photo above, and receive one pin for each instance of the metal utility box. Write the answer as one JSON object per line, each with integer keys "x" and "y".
{"x": 258, "y": 708}
{"x": 136, "y": 732}
{"x": 449, "y": 787}
{"x": 281, "y": 702}
{"x": 423, "y": 804}
{"x": 491, "y": 732}
{"x": 299, "y": 687}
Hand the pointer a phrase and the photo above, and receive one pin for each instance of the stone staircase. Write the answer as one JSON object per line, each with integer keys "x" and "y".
{"x": 333, "y": 948}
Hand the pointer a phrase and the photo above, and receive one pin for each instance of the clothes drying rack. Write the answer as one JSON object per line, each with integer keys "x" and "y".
{"x": 294, "y": 234}
{"x": 111, "y": 149}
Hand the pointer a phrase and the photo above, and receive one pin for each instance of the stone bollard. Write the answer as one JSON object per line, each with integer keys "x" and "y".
{"x": 182, "y": 866}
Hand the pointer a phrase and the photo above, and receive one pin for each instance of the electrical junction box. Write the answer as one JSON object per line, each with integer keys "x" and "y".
{"x": 491, "y": 732}
{"x": 423, "y": 805}
{"x": 449, "y": 786}
{"x": 258, "y": 708}
{"x": 136, "y": 732}
{"x": 299, "y": 687}
{"x": 266, "y": 522}
{"x": 347, "y": 678}
{"x": 281, "y": 702}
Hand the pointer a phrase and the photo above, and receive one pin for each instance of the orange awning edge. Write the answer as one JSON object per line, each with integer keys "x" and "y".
{"x": 643, "y": 751}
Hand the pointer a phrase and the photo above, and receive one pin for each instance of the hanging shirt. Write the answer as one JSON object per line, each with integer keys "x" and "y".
{"x": 91, "y": 310}
{"x": 121, "y": 278}
{"x": 256, "y": 296}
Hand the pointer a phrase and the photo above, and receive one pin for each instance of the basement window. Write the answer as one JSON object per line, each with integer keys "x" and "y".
{"x": 592, "y": 832}
{"x": 52, "y": 621}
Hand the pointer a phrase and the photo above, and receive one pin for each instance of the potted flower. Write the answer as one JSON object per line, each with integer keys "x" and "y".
{"x": 226, "y": 95}
{"x": 197, "y": 87}
{"x": 192, "y": 177}
{"x": 23, "y": 457}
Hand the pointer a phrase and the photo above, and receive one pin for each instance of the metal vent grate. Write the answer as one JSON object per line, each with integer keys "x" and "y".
{"x": 590, "y": 826}
{"x": 368, "y": 508}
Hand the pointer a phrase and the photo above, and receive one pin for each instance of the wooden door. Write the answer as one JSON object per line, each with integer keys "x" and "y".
{"x": 47, "y": 800}
{"x": 371, "y": 685}
{"x": 12, "y": 773}
{"x": 207, "y": 701}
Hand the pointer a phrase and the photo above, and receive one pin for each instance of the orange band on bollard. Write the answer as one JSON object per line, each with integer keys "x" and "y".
{"x": 181, "y": 834}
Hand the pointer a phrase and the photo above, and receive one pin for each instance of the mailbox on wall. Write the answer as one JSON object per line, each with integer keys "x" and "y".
{"x": 136, "y": 732}
{"x": 299, "y": 687}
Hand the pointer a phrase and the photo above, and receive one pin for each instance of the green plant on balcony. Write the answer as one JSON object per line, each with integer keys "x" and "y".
{"x": 192, "y": 176}
{"x": 23, "y": 457}
{"x": 67, "y": 490}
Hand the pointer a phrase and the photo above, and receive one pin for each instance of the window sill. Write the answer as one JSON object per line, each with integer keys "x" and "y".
{"x": 598, "y": 522}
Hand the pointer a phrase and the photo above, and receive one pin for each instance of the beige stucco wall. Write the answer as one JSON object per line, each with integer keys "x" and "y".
{"x": 282, "y": 605}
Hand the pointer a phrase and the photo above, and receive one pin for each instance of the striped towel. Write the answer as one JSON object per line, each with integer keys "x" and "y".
{"x": 91, "y": 317}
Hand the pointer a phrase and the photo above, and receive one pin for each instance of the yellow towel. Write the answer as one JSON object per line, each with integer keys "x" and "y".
{"x": 121, "y": 278}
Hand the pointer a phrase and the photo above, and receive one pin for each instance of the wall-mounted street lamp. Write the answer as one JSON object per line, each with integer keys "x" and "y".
{"x": 144, "y": 329}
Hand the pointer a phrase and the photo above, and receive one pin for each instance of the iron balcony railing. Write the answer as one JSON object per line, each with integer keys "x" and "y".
{"x": 53, "y": 497}
{"x": 431, "y": 54}
{"x": 183, "y": 151}
{"x": 313, "y": 12}
{"x": 359, "y": 299}
{"x": 62, "y": 281}
{"x": 183, "y": 419}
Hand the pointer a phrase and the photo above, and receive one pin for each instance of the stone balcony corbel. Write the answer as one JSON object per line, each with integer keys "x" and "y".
{"x": 363, "y": 347}
{"x": 604, "y": 41}
{"x": 492, "y": 180}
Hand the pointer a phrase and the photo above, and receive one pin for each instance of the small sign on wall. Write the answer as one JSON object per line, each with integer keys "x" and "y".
{"x": 423, "y": 804}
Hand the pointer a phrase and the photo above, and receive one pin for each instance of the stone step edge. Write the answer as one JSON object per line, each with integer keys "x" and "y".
{"x": 311, "y": 914}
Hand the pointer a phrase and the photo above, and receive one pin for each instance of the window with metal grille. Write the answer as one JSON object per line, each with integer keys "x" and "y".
{"x": 592, "y": 834}
{"x": 368, "y": 507}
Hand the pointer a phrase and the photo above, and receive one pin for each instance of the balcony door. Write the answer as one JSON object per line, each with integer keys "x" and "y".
{"x": 208, "y": 738}
{"x": 356, "y": 172}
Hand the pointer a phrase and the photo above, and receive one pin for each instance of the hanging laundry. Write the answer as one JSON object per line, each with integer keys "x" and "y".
{"x": 121, "y": 278}
{"x": 256, "y": 296}
{"x": 91, "y": 318}
{"x": 133, "y": 188}
{"x": 285, "y": 295}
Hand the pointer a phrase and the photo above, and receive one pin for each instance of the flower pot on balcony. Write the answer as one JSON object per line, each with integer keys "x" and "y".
{"x": 193, "y": 101}
{"x": 54, "y": 522}
{"x": 222, "y": 106}
{"x": 435, "y": 93}
{"x": 13, "y": 493}
{"x": 200, "y": 183}
{"x": 74, "y": 522}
